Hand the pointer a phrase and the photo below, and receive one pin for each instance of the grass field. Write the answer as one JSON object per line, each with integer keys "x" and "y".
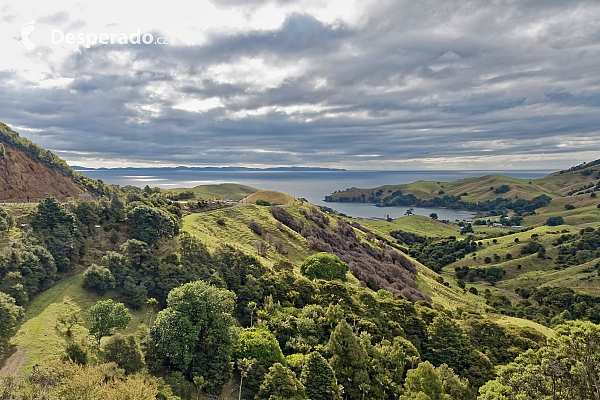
{"x": 38, "y": 334}
{"x": 231, "y": 191}
{"x": 416, "y": 224}
{"x": 523, "y": 323}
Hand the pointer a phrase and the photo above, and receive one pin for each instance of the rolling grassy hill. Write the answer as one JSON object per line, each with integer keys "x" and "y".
{"x": 216, "y": 228}
{"x": 271, "y": 196}
{"x": 233, "y": 191}
{"x": 574, "y": 186}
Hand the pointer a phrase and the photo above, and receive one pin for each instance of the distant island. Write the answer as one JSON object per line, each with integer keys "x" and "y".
{"x": 185, "y": 168}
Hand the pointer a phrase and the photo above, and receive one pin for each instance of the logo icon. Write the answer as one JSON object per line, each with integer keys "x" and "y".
{"x": 26, "y": 30}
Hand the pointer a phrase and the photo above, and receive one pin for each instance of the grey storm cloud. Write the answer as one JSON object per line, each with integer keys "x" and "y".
{"x": 412, "y": 80}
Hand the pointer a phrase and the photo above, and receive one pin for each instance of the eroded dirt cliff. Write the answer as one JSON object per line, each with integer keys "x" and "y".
{"x": 24, "y": 179}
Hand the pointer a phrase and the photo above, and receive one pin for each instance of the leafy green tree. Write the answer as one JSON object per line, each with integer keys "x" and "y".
{"x": 349, "y": 361}
{"x": 318, "y": 378}
{"x": 387, "y": 363}
{"x": 76, "y": 353}
{"x": 446, "y": 343}
{"x": 423, "y": 383}
{"x": 149, "y": 224}
{"x": 6, "y": 220}
{"x": 195, "y": 332}
{"x": 124, "y": 351}
{"x": 10, "y": 314}
{"x": 260, "y": 344}
{"x": 56, "y": 228}
{"x": 453, "y": 385}
{"x": 106, "y": 316}
{"x": 281, "y": 384}
{"x": 324, "y": 266}
{"x": 554, "y": 221}
{"x": 98, "y": 279}
{"x": 117, "y": 264}
{"x": 568, "y": 368}
{"x": 17, "y": 292}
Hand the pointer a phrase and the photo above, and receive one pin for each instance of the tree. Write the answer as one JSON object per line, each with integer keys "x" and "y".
{"x": 244, "y": 365}
{"x": 6, "y": 220}
{"x": 568, "y": 368}
{"x": 10, "y": 314}
{"x": 260, "y": 344}
{"x": 124, "y": 351}
{"x": 318, "y": 378}
{"x": 69, "y": 318}
{"x": 56, "y": 228}
{"x": 149, "y": 224}
{"x": 324, "y": 266}
{"x": 554, "y": 221}
{"x": 281, "y": 384}
{"x": 195, "y": 332}
{"x": 446, "y": 343}
{"x": 433, "y": 216}
{"x": 98, "y": 279}
{"x": 423, "y": 383}
{"x": 106, "y": 316}
{"x": 349, "y": 361}
{"x": 76, "y": 353}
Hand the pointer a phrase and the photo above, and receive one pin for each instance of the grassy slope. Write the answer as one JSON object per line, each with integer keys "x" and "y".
{"x": 236, "y": 232}
{"x": 534, "y": 271}
{"x": 273, "y": 197}
{"x": 417, "y": 224}
{"x": 38, "y": 334}
{"x": 231, "y": 191}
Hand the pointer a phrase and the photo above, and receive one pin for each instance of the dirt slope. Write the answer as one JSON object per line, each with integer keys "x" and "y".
{"x": 24, "y": 179}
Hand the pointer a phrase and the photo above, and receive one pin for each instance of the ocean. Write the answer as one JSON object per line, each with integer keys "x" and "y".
{"x": 311, "y": 185}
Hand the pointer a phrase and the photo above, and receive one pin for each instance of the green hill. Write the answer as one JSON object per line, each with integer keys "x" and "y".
{"x": 233, "y": 191}
{"x": 575, "y": 186}
{"x": 270, "y": 196}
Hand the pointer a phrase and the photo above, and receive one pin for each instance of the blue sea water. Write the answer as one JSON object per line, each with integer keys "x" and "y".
{"x": 311, "y": 185}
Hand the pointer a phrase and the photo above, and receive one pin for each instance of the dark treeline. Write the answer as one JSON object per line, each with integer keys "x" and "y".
{"x": 548, "y": 306}
{"x": 497, "y": 206}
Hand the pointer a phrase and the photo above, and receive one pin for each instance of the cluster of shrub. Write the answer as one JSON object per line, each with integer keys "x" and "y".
{"x": 490, "y": 274}
{"x": 548, "y": 306}
{"x": 435, "y": 253}
{"x": 578, "y": 249}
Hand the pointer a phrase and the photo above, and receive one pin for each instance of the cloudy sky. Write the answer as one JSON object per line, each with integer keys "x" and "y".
{"x": 350, "y": 84}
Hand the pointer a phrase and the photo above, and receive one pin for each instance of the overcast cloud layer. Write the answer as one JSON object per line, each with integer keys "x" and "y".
{"x": 380, "y": 85}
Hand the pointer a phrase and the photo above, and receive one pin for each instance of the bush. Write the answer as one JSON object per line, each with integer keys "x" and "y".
{"x": 98, "y": 279}
{"x": 569, "y": 207}
{"x": 124, "y": 351}
{"x": 256, "y": 228}
{"x": 261, "y": 202}
{"x": 324, "y": 266}
{"x": 261, "y": 345}
{"x": 554, "y": 221}
{"x": 502, "y": 189}
{"x": 76, "y": 353}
